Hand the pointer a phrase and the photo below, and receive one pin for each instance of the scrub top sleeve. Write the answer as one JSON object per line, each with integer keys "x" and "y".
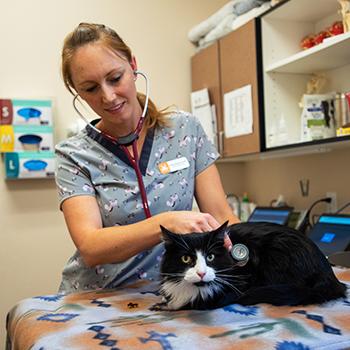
{"x": 206, "y": 152}
{"x": 71, "y": 179}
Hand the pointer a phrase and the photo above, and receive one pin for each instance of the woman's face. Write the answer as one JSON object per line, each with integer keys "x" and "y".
{"x": 107, "y": 83}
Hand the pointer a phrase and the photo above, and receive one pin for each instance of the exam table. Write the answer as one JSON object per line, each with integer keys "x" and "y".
{"x": 121, "y": 319}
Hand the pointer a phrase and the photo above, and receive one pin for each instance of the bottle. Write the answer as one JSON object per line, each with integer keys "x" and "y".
{"x": 282, "y": 131}
{"x": 245, "y": 208}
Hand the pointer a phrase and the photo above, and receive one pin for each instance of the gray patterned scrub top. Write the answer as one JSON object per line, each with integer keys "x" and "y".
{"x": 85, "y": 167}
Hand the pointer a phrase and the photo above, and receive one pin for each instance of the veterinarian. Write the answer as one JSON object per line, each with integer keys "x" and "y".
{"x": 130, "y": 171}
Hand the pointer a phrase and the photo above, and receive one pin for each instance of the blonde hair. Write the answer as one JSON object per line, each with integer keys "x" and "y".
{"x": 87, "y": 33}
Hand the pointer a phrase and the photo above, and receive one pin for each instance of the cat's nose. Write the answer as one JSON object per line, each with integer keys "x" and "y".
{"x": 201, "y": 274}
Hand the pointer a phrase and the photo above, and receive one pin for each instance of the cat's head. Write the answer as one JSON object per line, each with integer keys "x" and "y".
{"x": 195, "y": 263}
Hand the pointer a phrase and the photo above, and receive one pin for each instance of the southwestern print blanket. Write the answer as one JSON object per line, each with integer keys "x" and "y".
{"x": 121, "y": 319}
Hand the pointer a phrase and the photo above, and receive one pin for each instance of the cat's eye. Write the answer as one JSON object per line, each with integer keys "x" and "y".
{"x": 210, "y": 257}
{"x": 186, "y": 259}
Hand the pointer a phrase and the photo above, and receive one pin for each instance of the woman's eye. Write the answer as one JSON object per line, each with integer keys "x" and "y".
{"x": 210, "y": 257}
{"x": 90, "y": 89}
{"x": 115, "y": 79}
{"x": 186, "y": 259}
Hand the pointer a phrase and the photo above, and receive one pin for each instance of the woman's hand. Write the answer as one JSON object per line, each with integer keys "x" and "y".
{"x": 188, "y": 221}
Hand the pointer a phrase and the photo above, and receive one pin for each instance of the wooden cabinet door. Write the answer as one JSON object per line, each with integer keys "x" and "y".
{"x": 205, "y": 71}
{"x": 238, "y": 68}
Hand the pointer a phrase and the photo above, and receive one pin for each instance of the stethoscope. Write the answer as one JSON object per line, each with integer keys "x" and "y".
{"x": 123, "y": 142}
{"x": 239, "y": 252}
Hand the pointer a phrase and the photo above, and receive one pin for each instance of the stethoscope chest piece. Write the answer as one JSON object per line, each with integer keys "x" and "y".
{"x": 240, "y": 253}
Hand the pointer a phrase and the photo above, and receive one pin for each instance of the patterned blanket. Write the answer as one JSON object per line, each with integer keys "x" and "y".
{"x": 120, "y": 319}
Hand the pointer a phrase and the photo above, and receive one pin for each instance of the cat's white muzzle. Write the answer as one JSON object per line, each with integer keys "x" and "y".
{"x": 200, "y": 272}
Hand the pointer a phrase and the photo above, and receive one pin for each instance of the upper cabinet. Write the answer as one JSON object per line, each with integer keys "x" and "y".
{"x": 229, "y": 64}
{"x": 205, "y": 71}
{"x": 239, "y": 69}
{"x": 292, "y": 88}
{"x": 304, "y": 84}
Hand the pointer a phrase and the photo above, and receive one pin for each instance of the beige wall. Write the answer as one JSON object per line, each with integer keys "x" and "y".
{"x": 264, "y": 180}
{"x": 34, "y": 242}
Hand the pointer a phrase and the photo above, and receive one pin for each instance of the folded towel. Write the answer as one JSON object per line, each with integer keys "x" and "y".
{"x": 223, "y": 28}
{"x": 207, "y": 25}
{"x": 246, "y": 17}
{"x": 221, "y": 18}
{"x": 244, "y": 6}
{"x": 230, "y": 23}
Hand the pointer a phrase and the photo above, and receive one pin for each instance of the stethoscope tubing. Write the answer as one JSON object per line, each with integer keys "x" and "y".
{"x": 135, "y": 164}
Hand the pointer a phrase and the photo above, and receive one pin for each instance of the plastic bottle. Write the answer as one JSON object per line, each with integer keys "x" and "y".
{"x": 282, "y": 131}
{"x": 245, "y": 208}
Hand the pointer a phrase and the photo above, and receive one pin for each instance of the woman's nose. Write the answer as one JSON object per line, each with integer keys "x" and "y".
{"x": 108, "y": 94}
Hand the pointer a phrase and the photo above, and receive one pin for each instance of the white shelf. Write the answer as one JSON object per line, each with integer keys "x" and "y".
{"x": 293, "y": 150}
{"x": 331, "y": 54}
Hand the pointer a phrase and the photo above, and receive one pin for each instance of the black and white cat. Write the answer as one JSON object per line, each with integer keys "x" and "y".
{"x": 284, "y": 268}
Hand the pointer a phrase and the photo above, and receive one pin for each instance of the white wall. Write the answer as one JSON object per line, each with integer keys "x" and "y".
{"x": 34, "y": 241}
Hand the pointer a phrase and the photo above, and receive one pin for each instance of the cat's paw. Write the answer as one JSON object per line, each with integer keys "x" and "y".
{"x": 160, "y": 307}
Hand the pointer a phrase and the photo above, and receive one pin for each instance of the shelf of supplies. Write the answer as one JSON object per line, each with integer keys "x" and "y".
{"x": 332, "y": 53}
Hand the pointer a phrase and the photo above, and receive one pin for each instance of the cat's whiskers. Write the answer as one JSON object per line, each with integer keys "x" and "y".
{"x": 224, "y": 275}
{"x": 177, "y": 274}
{"x": 220, "y": 280}
{"x": 226, "y": 269}
{"x": 233, "y": 276}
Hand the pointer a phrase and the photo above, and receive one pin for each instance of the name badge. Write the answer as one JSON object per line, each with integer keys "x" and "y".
{"x": 173, "y": 165}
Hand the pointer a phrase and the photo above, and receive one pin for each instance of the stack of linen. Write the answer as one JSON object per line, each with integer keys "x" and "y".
{"x": 229, "y": 17}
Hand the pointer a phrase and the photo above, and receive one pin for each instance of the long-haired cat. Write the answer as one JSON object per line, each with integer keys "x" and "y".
{"x": 284, "y": 268}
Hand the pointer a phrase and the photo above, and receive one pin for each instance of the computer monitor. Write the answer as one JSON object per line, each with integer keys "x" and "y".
{"x": 277, "y": 215}
{"x": 331, "y": 233}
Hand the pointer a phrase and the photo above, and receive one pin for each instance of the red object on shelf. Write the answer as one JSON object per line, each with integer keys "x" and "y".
{"x": 336, "y": 28}
{"x": 307, "y": 42}
{"x": 311, "y": 40}
{"x": 319, "y": 37}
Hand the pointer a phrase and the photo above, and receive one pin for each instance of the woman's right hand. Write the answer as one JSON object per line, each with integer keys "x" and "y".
{"x": 188, "y": 221}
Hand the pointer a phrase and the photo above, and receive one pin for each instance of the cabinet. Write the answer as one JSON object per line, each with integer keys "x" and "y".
{"x": 287, "y": 68}
{"x": 229, "y": 64}
{"x": 205, "y": 73}
{"x": 266, "y": 53}
{"x": 238, "y": 68}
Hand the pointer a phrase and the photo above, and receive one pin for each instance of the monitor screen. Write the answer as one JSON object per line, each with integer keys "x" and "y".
{"x": 331, "y": 233}
{"x": 270, "y": 214}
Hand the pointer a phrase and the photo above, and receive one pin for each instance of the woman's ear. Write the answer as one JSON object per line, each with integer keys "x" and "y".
{"x": 133, "y": 63}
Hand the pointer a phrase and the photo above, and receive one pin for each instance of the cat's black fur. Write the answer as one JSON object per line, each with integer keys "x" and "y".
{"x": 284, "y": 268}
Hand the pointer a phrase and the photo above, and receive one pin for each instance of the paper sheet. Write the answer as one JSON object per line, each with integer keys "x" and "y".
{"x": 238, "y": 112}
{"x": 201, "y": 108}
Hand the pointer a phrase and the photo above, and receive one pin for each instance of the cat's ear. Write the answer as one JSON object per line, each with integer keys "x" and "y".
{"x": 167, "y": 236}
{"x": 221, "y": 231}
